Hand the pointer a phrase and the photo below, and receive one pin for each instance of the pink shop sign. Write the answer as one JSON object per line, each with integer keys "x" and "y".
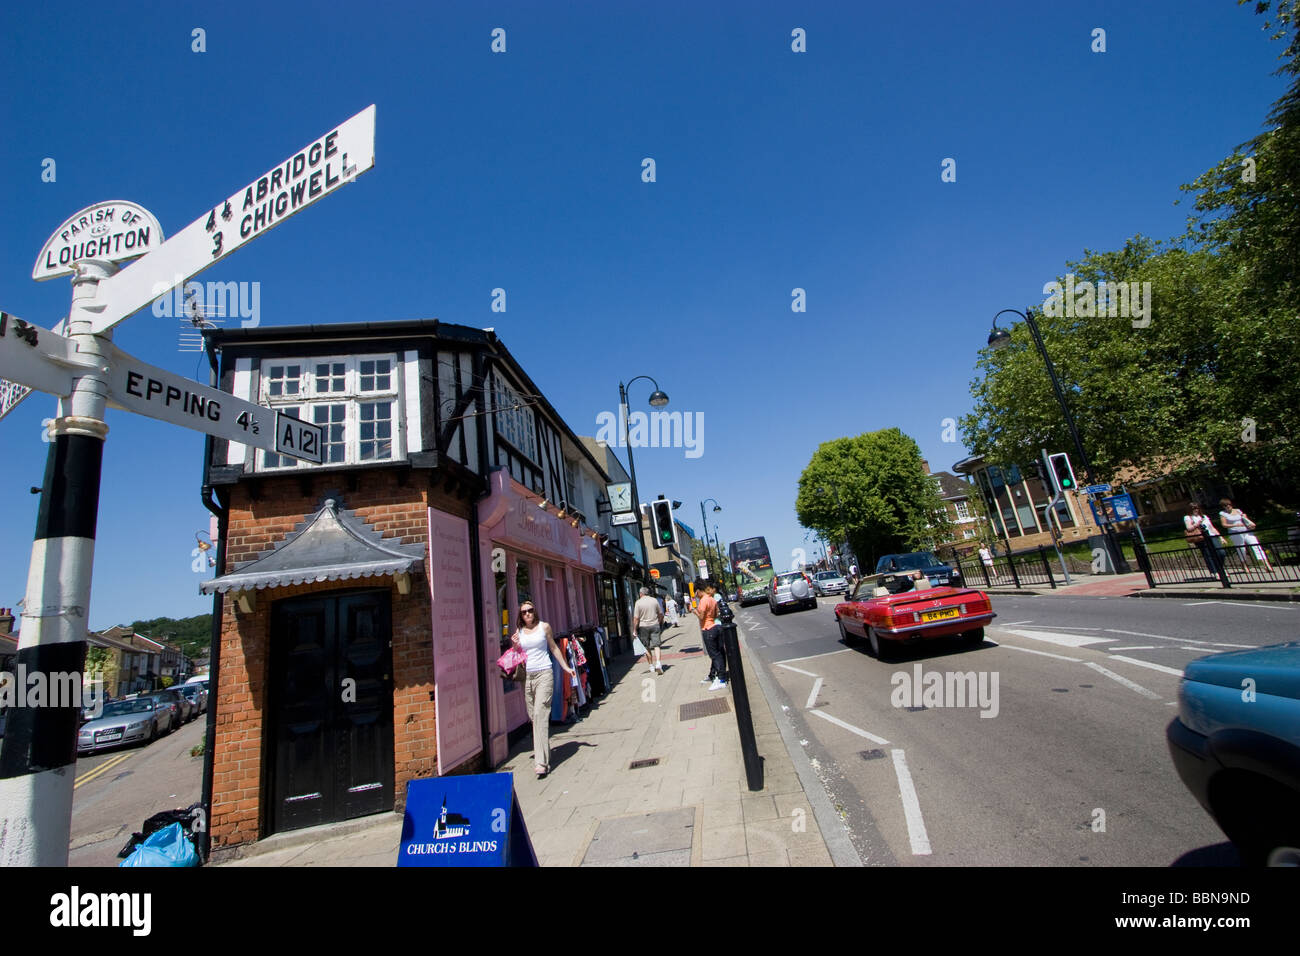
{"x": 455, "y": 675}
{"x": 536, "y": 530}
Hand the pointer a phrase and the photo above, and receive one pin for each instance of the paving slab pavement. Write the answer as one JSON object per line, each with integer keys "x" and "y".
{"x": 691, "y": 806}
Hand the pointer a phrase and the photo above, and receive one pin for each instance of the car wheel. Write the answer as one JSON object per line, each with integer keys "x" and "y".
{"x": 880, "y": 648}
{"x": 972, "y": 638}
{"x": 153, "y": 732}
{"x": 847, "y": 639}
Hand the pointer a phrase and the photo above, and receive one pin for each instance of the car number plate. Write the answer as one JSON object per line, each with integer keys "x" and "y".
{"x": 941, "y": 615}
{"x": 109, "y": 735}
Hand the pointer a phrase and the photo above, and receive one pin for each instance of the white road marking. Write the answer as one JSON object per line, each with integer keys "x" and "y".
{"x": 1064, "y": 640}
{"x": 849, "y": 727}
{"x": 1198, "y": 603}
{"x": 1147, "y": 664}
{"x": 810, "y": 657}
{"x": 812, "y": 698}
{"x": 1136, "y": 647}
{"x": 1030, "y": 650}
{"x": 1014, "y": 623}
{"x": 1270, "y": 606}
{"x": 1123, "y": 680}
{"x": 916, "y": 834}
{"x": 796, "y": 670}
{"x": 1166, "y": 637}
{"x": 1064, "y": 627}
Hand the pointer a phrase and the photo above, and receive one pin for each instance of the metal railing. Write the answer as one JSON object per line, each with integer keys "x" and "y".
{"x": 1020, "y": 569}
{"x": 1271, "y": 562}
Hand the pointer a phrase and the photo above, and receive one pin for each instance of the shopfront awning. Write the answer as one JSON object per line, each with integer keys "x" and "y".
{"x": 333, "y": 545}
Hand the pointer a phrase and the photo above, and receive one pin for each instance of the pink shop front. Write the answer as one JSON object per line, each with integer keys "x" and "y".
{"x": 526, "y": 552}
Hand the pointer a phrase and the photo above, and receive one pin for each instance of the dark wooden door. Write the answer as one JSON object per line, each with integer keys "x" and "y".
{"x": 331, "y": 700}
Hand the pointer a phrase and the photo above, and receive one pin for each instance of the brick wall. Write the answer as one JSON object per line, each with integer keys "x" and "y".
{"x": 241, "y": 750}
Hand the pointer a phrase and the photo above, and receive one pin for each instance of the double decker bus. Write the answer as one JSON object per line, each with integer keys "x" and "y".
{"x": 752, "y": 566}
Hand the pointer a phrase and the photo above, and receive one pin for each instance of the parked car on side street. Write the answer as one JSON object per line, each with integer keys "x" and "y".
{"x": 925, "y": 561}
{"x": 195, "y": 694}
{"x": 907, "y": 609}
{"x": 134, "y": 720}
{"x": 791, "y": 589}
{"x": 829, "y": 582}
{"x": 183, "y": 708}
{"x": 1236, "y": 745}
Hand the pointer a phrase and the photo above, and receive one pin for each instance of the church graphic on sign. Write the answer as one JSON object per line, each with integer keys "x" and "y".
{"x": 450, "y": 824}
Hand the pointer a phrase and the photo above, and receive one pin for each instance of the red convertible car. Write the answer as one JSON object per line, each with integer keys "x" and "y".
{"x": 894, "y": 609}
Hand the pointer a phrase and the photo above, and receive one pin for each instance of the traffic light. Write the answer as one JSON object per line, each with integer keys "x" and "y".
{"x": 1062, "y": 473}
{"x": 662, "y": 519}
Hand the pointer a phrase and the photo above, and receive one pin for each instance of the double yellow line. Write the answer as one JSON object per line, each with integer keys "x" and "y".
{"x": 103, "y": 768}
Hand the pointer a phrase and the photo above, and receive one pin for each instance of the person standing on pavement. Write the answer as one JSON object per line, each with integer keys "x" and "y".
{"x": 1200, "y": 531}
{"x": 986, "y": 557}
{"x": 1239, "y": 528}
{"x": 647, "y": 625}
{"x": 711, "y": 631}
{"x": 670, "y": 611}
{"x": 538, "y": 642}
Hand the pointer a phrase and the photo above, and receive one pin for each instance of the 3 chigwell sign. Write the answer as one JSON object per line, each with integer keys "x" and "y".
{"x": 110, "y": 231}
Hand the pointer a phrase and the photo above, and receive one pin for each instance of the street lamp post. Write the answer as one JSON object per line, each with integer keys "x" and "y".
{"x": 657, "y": 399}
{"x": 1000, "y": 338}
{"x": 708, "y": 548}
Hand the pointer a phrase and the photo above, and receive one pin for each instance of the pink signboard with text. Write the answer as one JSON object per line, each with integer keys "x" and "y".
{"x": 455, "y": 674}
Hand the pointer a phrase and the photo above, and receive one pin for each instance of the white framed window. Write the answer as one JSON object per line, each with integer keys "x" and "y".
{"x": 963, "y": 510}
{"x": 355, "y": 398}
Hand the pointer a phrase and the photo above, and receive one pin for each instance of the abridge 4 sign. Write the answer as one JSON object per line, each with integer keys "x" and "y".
{"x": 315, "y": 171}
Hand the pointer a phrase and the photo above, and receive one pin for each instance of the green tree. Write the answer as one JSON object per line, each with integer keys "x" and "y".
{"x": 873, "y": 491}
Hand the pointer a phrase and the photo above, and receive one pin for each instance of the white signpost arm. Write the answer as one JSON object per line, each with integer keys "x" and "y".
{"x": 315, "y": 171}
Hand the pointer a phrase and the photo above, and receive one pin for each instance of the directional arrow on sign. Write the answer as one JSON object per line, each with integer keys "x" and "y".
{"x": 137, "y": 387}
{"x": 307, "y": 176}
{"x": 36, "y": 358}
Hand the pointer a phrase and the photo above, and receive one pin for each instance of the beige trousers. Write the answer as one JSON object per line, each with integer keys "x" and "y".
{"x": 538, "y": 690}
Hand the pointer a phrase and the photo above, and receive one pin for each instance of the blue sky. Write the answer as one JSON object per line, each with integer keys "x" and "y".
{"x": 775, "y": 170}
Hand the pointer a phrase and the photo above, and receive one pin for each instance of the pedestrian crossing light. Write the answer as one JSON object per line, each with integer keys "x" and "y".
{"x": 1062, "y": 473}
{"x": 665, "y": 533}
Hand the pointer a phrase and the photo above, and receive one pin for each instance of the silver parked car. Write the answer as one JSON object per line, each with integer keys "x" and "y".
{"x": 124, "y": 722}
{"x": 829, "y": 582}
{"x": 791, "y": 589}
{"x": 195, "y": 694}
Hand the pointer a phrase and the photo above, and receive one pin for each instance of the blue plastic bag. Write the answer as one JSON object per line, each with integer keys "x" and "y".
{"x": 169, "y": 846}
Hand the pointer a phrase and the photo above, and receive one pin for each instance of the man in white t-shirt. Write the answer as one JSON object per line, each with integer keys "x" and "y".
{"x": 647, "y": 624}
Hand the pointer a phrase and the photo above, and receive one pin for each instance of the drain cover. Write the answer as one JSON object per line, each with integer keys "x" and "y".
{"x": 871, "y": 754}
{"x": 638, "y": 764}
{"x": 703, "y": 708}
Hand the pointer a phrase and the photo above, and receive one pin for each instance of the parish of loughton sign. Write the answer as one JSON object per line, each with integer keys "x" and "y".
{"x": 110, "y": 231}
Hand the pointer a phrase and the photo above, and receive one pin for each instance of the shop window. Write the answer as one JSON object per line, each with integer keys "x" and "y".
{"x": 376, "y": 431}
{"x": 329, "y": 392}
{"x": 334, "y": 419}
{"x": 283, "y": 380}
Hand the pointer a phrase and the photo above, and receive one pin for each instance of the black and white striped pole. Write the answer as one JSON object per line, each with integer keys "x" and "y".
{"x": 39, "y": 751}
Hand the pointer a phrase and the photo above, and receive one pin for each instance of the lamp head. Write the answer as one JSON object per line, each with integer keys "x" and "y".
{"x": 658, "y": 399}
{"x": 999, "y": 338}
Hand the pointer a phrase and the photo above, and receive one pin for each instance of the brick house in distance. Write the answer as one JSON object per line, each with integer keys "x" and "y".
{"x": 361, "y": 601}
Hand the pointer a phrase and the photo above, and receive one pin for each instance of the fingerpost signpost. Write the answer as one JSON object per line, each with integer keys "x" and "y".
{"x": 87, "y": 372}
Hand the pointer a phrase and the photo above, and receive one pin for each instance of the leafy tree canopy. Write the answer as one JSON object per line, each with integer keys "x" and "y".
{"x": 872, "y": 490}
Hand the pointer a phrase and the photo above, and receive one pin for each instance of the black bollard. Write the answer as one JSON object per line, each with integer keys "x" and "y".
{"x": 740, "y": 699}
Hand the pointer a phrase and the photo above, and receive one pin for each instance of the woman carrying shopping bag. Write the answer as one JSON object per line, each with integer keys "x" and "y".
{"x": 538, "y": 642}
